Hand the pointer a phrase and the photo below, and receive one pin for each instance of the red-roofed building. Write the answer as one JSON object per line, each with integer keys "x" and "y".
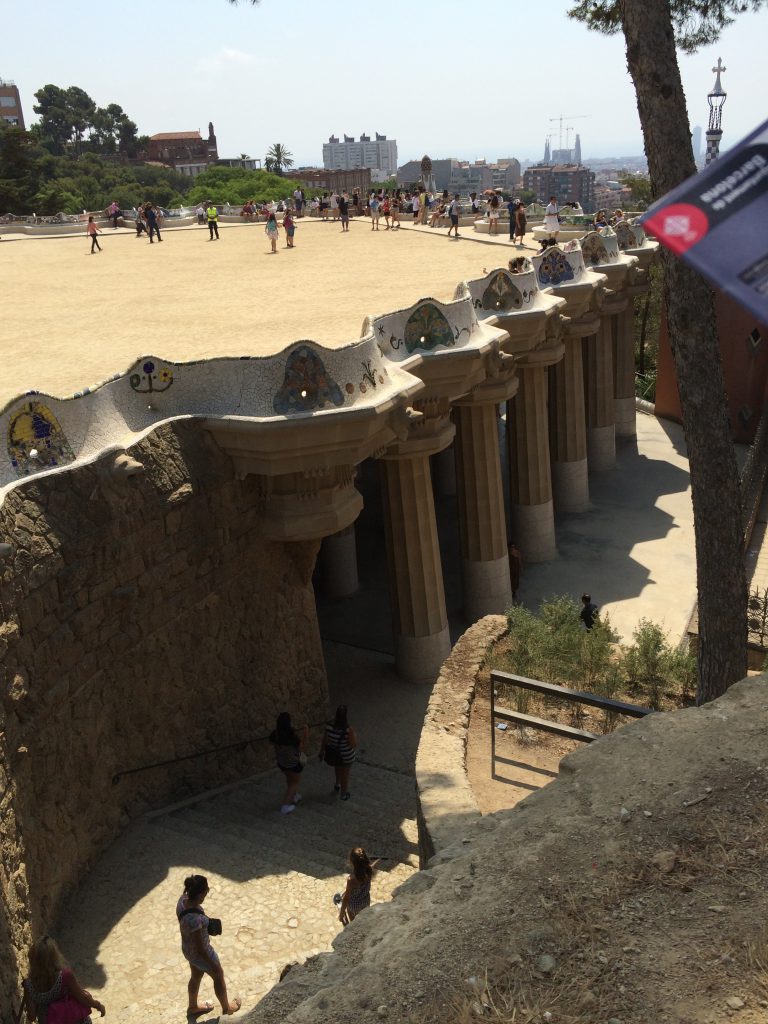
{"x": 187, "y": 152}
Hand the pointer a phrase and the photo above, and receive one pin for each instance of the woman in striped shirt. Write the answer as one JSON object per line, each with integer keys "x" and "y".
{"x": 338, "y": 749}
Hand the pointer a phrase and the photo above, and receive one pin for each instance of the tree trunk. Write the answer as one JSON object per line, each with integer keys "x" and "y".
{"x": 722, "y": 592}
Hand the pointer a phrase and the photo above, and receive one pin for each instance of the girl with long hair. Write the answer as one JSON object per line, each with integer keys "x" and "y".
{"x": 357, "y": 895}
{"x": 289, "y": 753}
{"x": 338, "y": 749}
{"x": 50, "y": 981}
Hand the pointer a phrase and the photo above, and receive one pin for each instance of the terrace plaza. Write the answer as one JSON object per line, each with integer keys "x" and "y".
{"x": 71, "y": 319}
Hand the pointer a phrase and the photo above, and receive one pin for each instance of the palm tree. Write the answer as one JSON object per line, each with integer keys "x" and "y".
{"x": 280, "y": 157}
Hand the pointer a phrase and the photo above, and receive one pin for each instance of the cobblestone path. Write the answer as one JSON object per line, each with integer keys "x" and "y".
{"x": 272, "y": 880}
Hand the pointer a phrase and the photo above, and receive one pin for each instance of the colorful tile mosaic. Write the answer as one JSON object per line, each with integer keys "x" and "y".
{"x": 625, "y": 236}
{"x": 306, "y": 386}
{"x": 554, "y": 268}
{"x": 427, "y": 328}
{"x": 501, "y": 294}
{"x": 593, "y": 249}
{"x": 151, "y": 379}
{"x": 36, "y": 440}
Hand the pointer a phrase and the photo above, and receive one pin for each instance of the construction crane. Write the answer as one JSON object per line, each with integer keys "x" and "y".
{"x": 561, "y": 118}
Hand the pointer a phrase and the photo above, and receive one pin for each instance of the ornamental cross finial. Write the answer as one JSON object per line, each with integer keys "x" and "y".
{"x": 719, "y": 67}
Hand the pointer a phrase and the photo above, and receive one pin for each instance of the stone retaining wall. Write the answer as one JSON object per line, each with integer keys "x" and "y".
{"x": 141, "y": 619}
{"x": 446, "y": 804}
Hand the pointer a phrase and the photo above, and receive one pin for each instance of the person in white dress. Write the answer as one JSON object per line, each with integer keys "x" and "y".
{"x": 552, "y": 218}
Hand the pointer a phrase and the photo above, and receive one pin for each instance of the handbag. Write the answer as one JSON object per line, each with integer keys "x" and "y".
{"x": 67, "y": 1010}
{"x": 333, "y": 757}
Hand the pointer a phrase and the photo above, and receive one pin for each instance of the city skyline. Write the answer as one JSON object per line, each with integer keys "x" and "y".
{"x": 279, "y": 73}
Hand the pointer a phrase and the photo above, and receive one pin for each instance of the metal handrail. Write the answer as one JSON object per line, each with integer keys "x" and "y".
{"x": 202, "y": 753}
{"x": 561, "y": 693}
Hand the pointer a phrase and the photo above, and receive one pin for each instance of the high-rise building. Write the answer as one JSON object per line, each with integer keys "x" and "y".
{"x": 569, "y": 182}
{"x": 378, "y": 154}
{"x": 10, "y": 104}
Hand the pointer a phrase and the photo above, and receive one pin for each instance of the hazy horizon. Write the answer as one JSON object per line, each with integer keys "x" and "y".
{"x": 286, "y": 72}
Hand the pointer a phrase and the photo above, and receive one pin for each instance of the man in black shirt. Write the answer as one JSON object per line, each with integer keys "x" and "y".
{"x": 588, "y": 612}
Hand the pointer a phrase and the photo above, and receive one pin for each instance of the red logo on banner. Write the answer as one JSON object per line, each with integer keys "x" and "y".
{"x": 679, "y": 226}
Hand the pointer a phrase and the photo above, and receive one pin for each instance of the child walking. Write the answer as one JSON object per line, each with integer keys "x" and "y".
{"x": 290, "y": 230}
{"x": 94, "y": 232}
{"x": 271, "y": 230}
{"x": 357, "y": 895}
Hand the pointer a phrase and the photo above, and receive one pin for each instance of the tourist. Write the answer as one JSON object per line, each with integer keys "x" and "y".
{"x": 338, "y": 749}
{"x": 114, "y": 213}
{"x": 394, "y": 211}
{"x": 415, "y": 207}
{"x": 600, "y": 221}
{"x": 93, "y": 231}
{"x": 212, "y": 214}
{"x": 454, "y": 210}
{"x": 153, "y": 227}
{"x": 521, "y": 224}
{"x": 355, "y": 202}
{"x": 324, "y": 205}
{"x": 426, "y": 203}
{"x": 271, "y": 231}
{"x": 289, "y": 753}
{"x": 343, "y": 209}
{"x": 200, "y": 214}
{"x": 334, "y": 204}
{"x": 475, "y": 205}
{"x": 373, "y": 207}
{"x": 618, "y": 217}
{"x": 196, "y": 929}
{"x": 357, "y": 895}
{"x": 512, "y": 210}
{"x": 493, "y": 215}
{"x": 436, "y": 216}
{"x": 552, "y": 219}
{"x": 49, "y": 982}
{"x": 589, "y": 612}
{"x": 298, "y": 198}
{"x": 385, "y": 209}
{"x": 141, "y": 224}
{"x": 290, "y": 230}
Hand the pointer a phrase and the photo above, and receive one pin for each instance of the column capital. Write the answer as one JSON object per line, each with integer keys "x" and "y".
{"x": 307, "y": 505}
{"x": 427, "y": 435}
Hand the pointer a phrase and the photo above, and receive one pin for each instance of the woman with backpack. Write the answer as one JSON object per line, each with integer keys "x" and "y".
{"x": 52, "y": 993}
{"x": 338, "y": 749}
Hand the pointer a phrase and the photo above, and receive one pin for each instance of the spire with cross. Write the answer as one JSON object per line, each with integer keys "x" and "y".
{"x": 715, "y": 99}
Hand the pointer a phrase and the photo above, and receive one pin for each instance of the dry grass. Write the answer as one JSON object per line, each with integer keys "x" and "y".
{"x": 633, "y": 940}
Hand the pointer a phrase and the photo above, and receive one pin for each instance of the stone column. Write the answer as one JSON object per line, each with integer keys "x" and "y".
{"x": 338, "y": 560}
{"x": 598, "y": 394}
{"x": 567, "y": 423}
{"x": 624, "y": 372}
{"x": 533, "y": 521}
{"x": 422, "y": 639}
{"x": 482, "y": 520}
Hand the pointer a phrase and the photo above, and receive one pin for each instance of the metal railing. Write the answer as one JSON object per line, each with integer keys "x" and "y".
{"x": 560, "y": 693}
{"x": 240, "y": 745}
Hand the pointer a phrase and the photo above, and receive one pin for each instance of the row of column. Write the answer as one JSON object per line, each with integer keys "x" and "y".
{"x": 566, "y": 400}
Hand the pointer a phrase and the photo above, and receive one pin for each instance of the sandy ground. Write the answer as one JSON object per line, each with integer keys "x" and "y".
{"x": 71, "y": 320}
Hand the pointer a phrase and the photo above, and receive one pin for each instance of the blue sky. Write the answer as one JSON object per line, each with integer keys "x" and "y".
{"x": 446, "y": 78}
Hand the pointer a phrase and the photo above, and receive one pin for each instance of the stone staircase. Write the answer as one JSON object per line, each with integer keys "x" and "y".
{"x": 272, "y": 881}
